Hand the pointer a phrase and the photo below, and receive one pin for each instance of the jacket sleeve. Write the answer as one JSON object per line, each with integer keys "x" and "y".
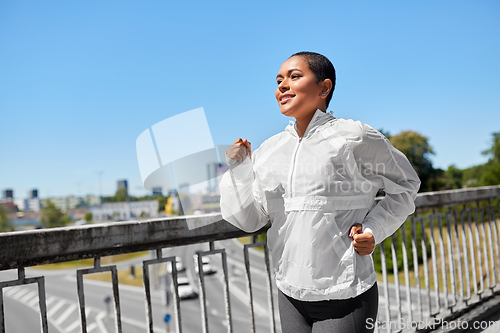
{"x": 388, "y": 167}
{"x": 242, "y": 199}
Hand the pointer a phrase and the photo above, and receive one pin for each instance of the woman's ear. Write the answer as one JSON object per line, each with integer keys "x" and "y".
{"x": 326, "y": 87}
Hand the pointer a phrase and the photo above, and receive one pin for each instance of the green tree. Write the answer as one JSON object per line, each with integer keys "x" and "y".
{"x": 456, "y": 175}
{"x": 417, "y": 149}
{"x": 494, "y": 151}
{"x": 439, "y": 181}
{"x": 88, "y": 216}
{"x": 52, "y": 216}
{"x": 121, "y": 195}
{"x": 472, "y": 176}
{"x": 491, "y": 172}
{"x": 162, "y": 201}
{"x": 385, "y": 133}
{"x": 4, "y": 220}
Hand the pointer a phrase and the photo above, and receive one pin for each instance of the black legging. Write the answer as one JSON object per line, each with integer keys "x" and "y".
{"x": 350, "y": 315}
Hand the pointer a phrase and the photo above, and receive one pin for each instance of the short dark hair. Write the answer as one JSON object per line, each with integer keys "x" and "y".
{"x": 321, "y": 67}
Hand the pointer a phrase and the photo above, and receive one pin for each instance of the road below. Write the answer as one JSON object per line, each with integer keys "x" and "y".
{"x": 22, "y": 313}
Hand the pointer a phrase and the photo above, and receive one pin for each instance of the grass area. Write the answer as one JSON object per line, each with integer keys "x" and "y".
{"x": 124, "y": 277}
{"x": 90, "y": 262}
{"x": 249, "y": 240}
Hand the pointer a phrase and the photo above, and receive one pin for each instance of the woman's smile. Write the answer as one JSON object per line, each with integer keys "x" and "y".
{"x": 283, "y": 98}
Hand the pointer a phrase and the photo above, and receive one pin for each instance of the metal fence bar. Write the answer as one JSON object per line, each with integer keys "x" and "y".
{"x": 492, "y": 268}
{"x": 269, "y": 284}
{"x": 444, "y": 272}
{"x": 485, "y": 251}
{"x": 494, "y": 231}
{"x": 22, "y": 280}
{"x": 386, "y": 284}
{"x": 460, "y": 254}
{"x": 249, "y": 288}
{"x": 2, "y": 314}
{"x": 478, "y": 218}
{"x": 415, "y": 264}
{"x": 147, "y": 289}
{"x": 272, "y": 320}
{"x": 467, "y": 288}
{"x": 395, "y": 271}
{"x": 451, "y": 258}
{"x": 203, "y": 295}
{"x": 435, "y": 273}
{"x": 407, "y": 274}
{"x": 497, "y": 245}
{"x": 201, "y": 280}
{"x": 81, "y": 295}
{"x": 426, "y": 264}
{"x": 472, "y": 261}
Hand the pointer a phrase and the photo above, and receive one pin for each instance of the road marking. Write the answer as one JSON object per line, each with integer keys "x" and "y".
{"x": 11, "y": 291}
{"x": 56, "y": 308}
{"x": 99, "y": 322}
{"x": 50, "y": 300}
{"x": 29, "y": 296}
{"x": 19, "y": 293}
{"x": 72, "y": 327}
{"x": 34, "y": 302}
{"x": 243, "y": 297}
{"x": 91, "y": 327}
{"x": 140, "y": 324}
{"x": 66, "y": 314}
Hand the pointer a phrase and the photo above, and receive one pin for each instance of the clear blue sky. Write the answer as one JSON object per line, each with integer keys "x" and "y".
{"x": 80, "y": 80}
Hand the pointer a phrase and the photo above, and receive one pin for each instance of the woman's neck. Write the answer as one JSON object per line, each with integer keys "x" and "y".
{"x": 303, "y": 122}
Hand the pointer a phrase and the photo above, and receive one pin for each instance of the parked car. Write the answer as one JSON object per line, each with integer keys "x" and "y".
{"x": 186, "y": 291}
{"x": 207, "y": 267}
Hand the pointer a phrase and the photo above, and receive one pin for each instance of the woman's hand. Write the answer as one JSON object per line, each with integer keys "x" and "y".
{"x": 239, "y": 150}
{"x": 363, "y": 242}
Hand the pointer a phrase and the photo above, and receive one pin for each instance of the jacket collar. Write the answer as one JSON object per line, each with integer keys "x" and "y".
{"x": 317, "y": 120}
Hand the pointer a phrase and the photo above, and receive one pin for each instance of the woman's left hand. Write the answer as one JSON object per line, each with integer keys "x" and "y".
{"x": 363, "y": 242}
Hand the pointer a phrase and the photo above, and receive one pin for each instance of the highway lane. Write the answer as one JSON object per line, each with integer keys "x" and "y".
{"x": 215, "y": 294}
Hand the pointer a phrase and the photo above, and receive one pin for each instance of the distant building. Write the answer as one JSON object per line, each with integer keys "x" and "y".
{"x": 120, "y": 211}
{"x": 9, "y": 206}
{"x": 8, "y": 195}
{"x": 123, "y": 184}
{"x": 28, "y": 205}
{"x": 91, "y": 200}
{"x": 32, "y": 194}
{"x": 64, "y": 203}
{"x": 157, "y": 191}
{"x": 214, "y": 170}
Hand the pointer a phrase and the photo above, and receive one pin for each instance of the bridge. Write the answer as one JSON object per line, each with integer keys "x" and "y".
{"x": 439, "y": 272}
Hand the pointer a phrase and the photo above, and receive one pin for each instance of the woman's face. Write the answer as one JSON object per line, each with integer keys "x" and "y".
{"x": 298, "y": 94}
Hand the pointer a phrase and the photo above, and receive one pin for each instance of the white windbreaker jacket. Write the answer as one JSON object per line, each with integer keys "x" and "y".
{"x": 313, "y": 189}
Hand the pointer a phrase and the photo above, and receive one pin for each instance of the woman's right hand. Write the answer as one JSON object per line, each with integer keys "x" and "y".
{"x": 239, "y": 150}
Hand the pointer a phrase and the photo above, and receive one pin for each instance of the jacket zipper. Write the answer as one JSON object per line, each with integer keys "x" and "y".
{"x": 294, "y": 162}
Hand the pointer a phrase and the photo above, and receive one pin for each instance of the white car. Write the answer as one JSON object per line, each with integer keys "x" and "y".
{"x": 186, "y": 291}
{"x": 178, "y": 264}
{"x": 207, "y": 267}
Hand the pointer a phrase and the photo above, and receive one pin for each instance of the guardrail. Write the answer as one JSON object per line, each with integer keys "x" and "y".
{"x": 462, "y": 242}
